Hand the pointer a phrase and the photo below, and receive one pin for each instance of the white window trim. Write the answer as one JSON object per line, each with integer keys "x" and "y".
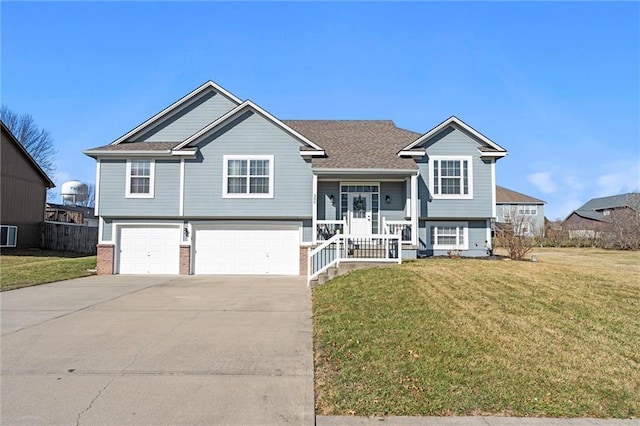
{"x": 440, "y": 158}
{"x": 152, "y": 178}
{"x": 15, "y": 241}
{"x": 225, "y": 175}
{"x": 465, "y": 234}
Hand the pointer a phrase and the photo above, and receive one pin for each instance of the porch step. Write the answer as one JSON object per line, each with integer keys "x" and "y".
{"x": 345, "y": 268}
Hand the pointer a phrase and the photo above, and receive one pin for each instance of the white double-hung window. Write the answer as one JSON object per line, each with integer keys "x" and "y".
{"x": 248, "y": 176}
{"x": 451, "y": 177}
{"x": 450, "y": 236}
{"x": 140, "y": 177}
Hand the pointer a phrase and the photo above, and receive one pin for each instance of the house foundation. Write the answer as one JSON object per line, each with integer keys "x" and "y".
{"x": 185, "y": 260}
{"x": 105, "y": 259}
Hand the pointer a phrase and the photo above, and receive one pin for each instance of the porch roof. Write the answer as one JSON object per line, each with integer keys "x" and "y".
{"x": 357, "y": 144}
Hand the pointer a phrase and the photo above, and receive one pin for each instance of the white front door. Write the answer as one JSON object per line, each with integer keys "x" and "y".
{"x": 360, "y": 213}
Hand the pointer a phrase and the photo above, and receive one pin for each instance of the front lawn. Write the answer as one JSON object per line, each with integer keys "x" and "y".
{"x": 558, "y": 338}
{"x": 25, "y": 268}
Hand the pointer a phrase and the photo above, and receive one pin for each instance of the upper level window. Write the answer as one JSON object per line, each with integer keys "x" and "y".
{"x": 451, "y": 177}
{"x": 140, "y": 177}
{"x": 248, "y": 176}
{"x": 8, "y": 236}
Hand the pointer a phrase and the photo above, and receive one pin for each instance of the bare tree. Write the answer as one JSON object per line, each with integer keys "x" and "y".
{"x": 36, "y": 141}
{"x": 624, "y": 229}
{"x": 518, "y": 233}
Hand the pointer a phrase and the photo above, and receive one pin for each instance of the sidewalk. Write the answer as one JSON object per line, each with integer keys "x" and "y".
{"x": 468, "y": 421}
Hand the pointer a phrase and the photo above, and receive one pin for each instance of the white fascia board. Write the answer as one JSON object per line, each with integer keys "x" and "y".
{"x": 312, "y": 153}
{"x": 403, "y": 172}
{"x": 237, "y": 110}
{"x": 184, "y": 152}
{"x": 176, "y": 105}
{"x": 455, "y": 121}
{"x": 405, "y": 153}
{"x": 492, "y": 154}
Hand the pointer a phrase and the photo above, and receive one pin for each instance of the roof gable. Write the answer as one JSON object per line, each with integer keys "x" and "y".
{"x": 507, "y": 196}
{"x": 176, "y": 107}
{"x": 487, "y": 146}
{"x": 9, "y": 136}
{"x": 243, "y": 107}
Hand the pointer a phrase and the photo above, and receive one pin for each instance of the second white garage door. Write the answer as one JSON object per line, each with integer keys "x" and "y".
{"x": 247, "y": 251}
{"x": 149, "y": 250}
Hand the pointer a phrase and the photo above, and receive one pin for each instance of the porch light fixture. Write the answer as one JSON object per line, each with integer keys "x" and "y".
{"x": 332, "y": 199}
{"x": 387, "y": 199}
{"x": 186, "y": 232}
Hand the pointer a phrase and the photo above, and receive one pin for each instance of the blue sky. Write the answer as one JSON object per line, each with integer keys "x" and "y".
{"x": 557, "y": 84}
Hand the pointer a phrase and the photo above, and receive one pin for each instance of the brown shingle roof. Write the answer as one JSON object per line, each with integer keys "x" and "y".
{"x": 357, "y": 144}
{"x": 504, "y": 195}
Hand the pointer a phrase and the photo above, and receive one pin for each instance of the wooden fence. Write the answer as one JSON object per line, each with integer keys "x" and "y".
{"x": 69, "y": 237}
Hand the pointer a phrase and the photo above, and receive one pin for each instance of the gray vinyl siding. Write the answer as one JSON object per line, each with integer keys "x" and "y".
{"x": 453, "y": 142}
{"x": 477, "y": 239}
{"x": 107, "y": 230}
{"x": 396, "y": 191}
{"x": 326, "y": 209}
{"x": 113, "y": 202}
{"x": 189, "y": 120}
{"x": 250, "y": 134}
{"x": 307, "y": 231}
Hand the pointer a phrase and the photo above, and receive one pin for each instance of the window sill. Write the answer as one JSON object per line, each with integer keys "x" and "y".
{"x": 247, "y": 196}
{"x": 139, "y": 196}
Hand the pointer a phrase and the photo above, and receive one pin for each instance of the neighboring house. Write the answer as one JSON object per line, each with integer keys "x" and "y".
{"x": 523, "y": 213}
{"x": 597, "y": 214}
{"x": 216, "y": 185}
{"x": 71, "y": 214}
{"x": 24, "y": 192}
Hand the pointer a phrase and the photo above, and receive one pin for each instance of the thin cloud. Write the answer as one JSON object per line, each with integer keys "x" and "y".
{"x": 626, "y": 179}
{"x": 543, "y": 181}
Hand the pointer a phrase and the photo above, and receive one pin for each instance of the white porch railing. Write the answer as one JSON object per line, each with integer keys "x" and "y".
{"x": 353, "y": 248}
{"x": 325, "y": 229}
{"x": 401, "y": 228}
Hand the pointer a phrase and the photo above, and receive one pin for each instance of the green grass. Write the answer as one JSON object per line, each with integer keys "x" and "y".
{"x": 556, "y": 338}
{"x": 23, "y": 268}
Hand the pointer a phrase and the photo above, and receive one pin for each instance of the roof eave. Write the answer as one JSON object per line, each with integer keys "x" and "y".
{"x": 139, "y": 153}
{"x": 361, "y": 171}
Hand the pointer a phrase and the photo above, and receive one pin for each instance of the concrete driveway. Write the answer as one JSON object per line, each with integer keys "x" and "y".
{"x": 158, "y": 350}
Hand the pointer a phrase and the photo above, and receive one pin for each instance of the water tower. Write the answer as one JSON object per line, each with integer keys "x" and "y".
{"x": 74, "y": 192}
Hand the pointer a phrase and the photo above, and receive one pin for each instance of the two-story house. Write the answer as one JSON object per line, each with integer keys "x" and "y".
{"x": 216, "y": 185}
{"x": 522, "y": 213}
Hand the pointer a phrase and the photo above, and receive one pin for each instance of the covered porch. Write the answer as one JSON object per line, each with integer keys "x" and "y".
{"x": 384, "y": 204}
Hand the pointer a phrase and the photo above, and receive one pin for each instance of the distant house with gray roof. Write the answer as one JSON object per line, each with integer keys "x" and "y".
{"x": 595, "y": 215}
{"x": 523, "y": 212}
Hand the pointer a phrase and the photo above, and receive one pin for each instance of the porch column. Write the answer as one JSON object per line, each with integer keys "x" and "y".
{"x": 314, "y": 207}
{"x": 414, "y": 209}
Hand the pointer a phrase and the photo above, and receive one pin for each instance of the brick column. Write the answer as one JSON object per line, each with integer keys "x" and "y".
{"x": 304, "y": 251}
{"x": 105, "y": 259}
{"x": 185, "y": 260}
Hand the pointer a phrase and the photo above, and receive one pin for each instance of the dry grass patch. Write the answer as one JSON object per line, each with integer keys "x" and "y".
{"x": 24, "y": 268}
{"x": 559, "y": 337}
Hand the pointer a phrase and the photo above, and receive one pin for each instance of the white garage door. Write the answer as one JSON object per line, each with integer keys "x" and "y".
{"x": 247, "y": 251}
{"x": 149, "y": 250}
